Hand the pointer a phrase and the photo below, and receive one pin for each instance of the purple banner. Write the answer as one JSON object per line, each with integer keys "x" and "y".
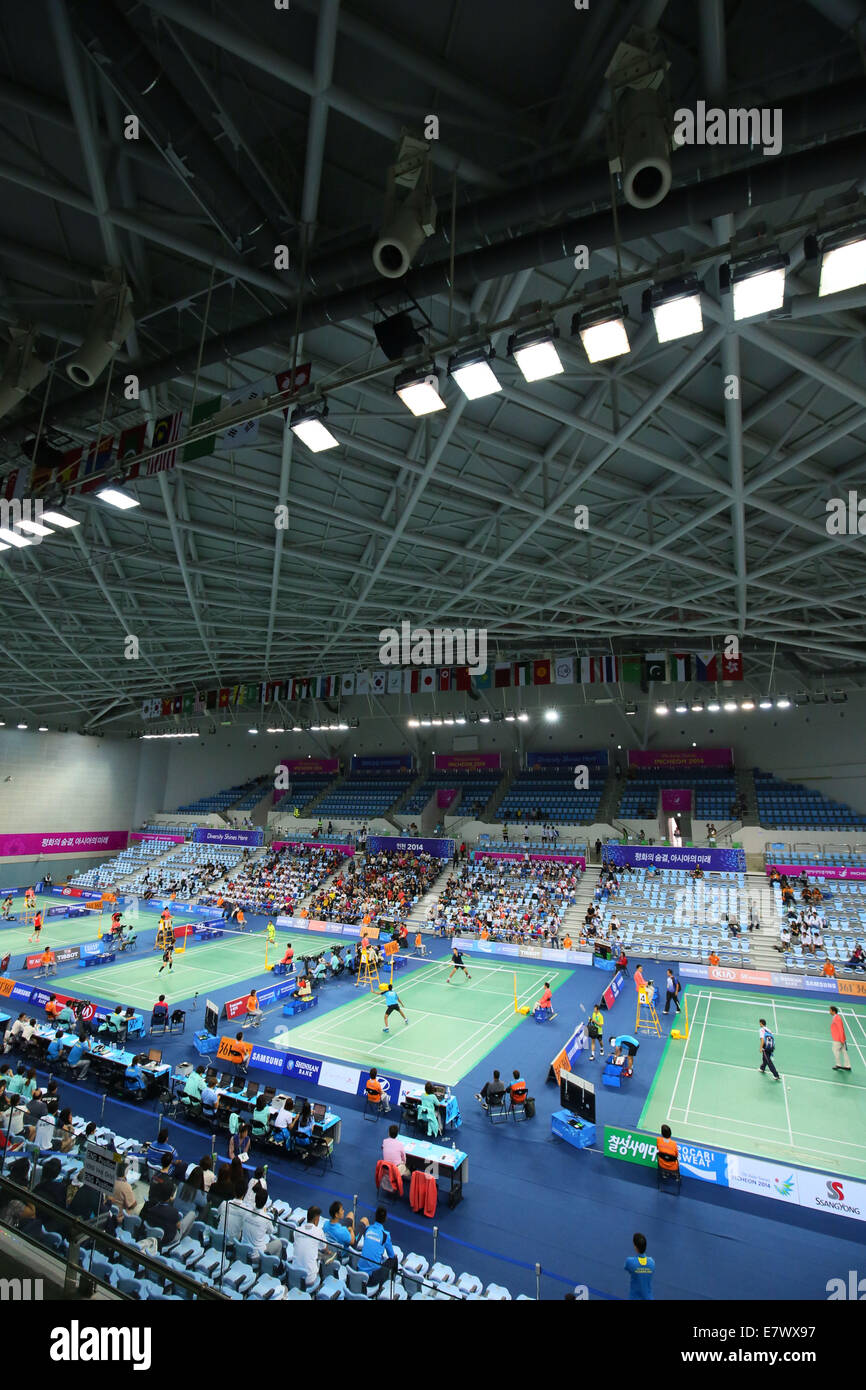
{"x": 503, "y": 854}
{"x": 676, "y": 799}
{"x": 444, "y": 796}
{"x": 590, "y": 757}
{"x": 669, "y": 857}
{"x": 467, "y": 762}
{"x": 313, "y": 844}
{"x": 396, "y": 762}
{"x": 851, "y": 871}
{"x": 674, "y": 759}
{"x": 205, "y": 835}
{"x": 383, "y": 844}
{"x": 62, "y": 842}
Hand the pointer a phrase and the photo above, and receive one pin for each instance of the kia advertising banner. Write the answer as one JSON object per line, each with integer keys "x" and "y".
{"x": 670, "y": 857}
{"x": 61, "y": 842}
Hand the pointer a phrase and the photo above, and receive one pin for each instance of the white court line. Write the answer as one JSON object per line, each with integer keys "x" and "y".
{"x": 493, "y": 1023}
{"x": 824, "y": 1159}
{"x": 813, "y": 1080}
{"x": 801, "y": 1133}
{"x": 724, "y": 998}
{"x": 853, "y": 1039}
{"x": 698, "y": 1057}
{"x": 783, "y": 1083}
{"x": 686, "y": 1047}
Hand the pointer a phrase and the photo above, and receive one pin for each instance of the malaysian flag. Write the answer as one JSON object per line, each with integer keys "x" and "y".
{"x": 165, "y": 432}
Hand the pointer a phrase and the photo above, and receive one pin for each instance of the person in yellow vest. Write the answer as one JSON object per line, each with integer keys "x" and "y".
{"x": 595, "y": 1030}
{"x": 272, "y": 934}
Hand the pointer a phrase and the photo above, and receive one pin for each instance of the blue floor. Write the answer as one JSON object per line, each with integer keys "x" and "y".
{"x": 531, "y": 1198}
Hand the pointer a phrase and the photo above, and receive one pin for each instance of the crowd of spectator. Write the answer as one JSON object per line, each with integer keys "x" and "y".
{"x": 507, "y": 901}
{"x": 278, "y": 882}
{"x": 387, "y": 885}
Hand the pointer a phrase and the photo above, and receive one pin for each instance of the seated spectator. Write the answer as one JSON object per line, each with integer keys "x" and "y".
{"x": 492, "y": 1090}
{"x": 308, "y": 1246}
{"x": 517, "y": 1090}
{"x": 304, "y": 990}
{"x": 123, "y": 1197}
{"x": 427, "y": 1110}
{"x": 156, "y": 1150}
{"x": 261, "y": 1116}
{"x": 239, "y": 1144}
{"x": 64, "y": 1134}
{"x": 667, "y": 1152}
{"x": 222, "y": 1189}
{"x": 857, "y": 961}
{"x": 285, "y": 1120}
{"x": 377, "y": 1258}
{"x": 165, "y": 1215}
{"x": 52, "y": 1187}
{"x": 394, "y": 1152}
{"x": 162, "y": 1182}
{"x": 56, "y": 1047}
{"x": 258, "y": 1228}
{"x": 375, "y": 1092}
{"x": 194, "y": 1087}
{"x": 339, "y": 1229}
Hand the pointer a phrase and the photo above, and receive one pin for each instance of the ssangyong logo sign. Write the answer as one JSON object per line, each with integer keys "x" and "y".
{"x": 834, "y": 1199}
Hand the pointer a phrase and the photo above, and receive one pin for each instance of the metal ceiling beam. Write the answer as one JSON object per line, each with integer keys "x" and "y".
{"x": 262, "y": 56}
{"x": 68, "y": 197}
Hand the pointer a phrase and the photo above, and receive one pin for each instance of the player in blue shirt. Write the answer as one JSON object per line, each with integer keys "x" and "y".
{"x": 640, "y": 1267}
{"x": 457, "y": 963}
{"x": 392, "y": 1002}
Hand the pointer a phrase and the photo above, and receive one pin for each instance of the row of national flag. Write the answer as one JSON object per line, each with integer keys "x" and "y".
{"x": 637, "y": 668}
{"x": 86, "y": 466}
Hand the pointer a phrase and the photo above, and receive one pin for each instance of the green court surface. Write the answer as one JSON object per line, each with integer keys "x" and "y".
{"x": 203, "y": 969}
{"x": 710, "y": 1090}
{"x": 68, "y": 931}
{"x": 450, "y": 1028}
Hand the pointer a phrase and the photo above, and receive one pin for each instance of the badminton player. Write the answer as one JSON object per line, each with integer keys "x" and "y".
{"x": 457, "y": 963}
{"x": 392, "y": 1002}
{"x": 167, "y": 958}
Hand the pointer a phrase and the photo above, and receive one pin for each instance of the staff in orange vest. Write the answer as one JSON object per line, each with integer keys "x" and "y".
{"x": 639, "y": 978}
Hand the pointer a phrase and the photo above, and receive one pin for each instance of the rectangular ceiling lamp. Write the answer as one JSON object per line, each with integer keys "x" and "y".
{"x": 419, "y": 392}
{"x": 534, "y": 351}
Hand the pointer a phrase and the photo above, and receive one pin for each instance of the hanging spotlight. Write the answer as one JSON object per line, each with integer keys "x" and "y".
{"x": 661, "y": 709}
{"x": 675, "y": 307}
{"x": 535, "y": 354}
{"x": 523, "y": 718}
{"x": 843, "y": 258}
{"x": 406, "y": 226}
{"x": 783, "y": 703}
{"x": 766, "y": 703}
{"x": 602, "y": 331}
{"x": 747, "y": 705}
{"x": 309, "y": 425}
{"x": 111, "y": 323}
{"x": 757, "y": 283}
{"x": 713, "y": 707}
{"x": 473, "y": 373}
{"x": 682, "y": 709}
{"x": 730, "y": 706}
{"x": 22, "y": 371}
{"x": 419, "y": 391}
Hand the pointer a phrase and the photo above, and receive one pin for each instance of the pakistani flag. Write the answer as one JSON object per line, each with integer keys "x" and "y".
{"x": 202, "y": 448}
{"x": 656, "y": 666}
{"x": 188, "y": 703}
